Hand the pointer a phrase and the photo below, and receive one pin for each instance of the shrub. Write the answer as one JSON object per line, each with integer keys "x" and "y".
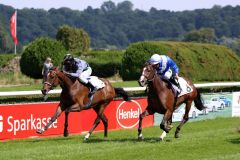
{"x": 199, "y": 62}
{"x": 104, "y": 63}
{"x": 35, "y": 54}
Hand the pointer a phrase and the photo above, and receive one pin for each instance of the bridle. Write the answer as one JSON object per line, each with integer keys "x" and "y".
{"x": 51, "y": 87}
{"x": 49, "y": 84}
{"x": 151, "y": 79}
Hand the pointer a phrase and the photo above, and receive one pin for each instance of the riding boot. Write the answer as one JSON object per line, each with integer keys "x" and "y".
{"x": 92, "y": 89}
{"x": 176, "y": 83}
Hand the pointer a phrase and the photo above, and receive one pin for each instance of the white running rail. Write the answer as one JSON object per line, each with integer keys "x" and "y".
{"x": 57, "y": 91}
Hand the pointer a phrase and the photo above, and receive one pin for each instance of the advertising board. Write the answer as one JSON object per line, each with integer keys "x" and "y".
{"x": 22, "y": 120}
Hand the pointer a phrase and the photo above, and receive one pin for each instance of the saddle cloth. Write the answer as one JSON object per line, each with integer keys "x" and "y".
{"x": 96, "y": 82}
{"x": 185, "y": 87}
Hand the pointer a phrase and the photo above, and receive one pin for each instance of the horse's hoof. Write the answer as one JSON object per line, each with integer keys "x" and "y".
{"x": 65, "y": 134}
{"x": 39, "y": 131}
{"x": 140, "y": 137}
{"x": 177, "y": 135}
{"x": 161, "y": 139}
{"x": 87, "y": 137}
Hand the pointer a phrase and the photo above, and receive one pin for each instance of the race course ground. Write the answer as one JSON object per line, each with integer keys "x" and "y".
{"x": 217, "y": 139}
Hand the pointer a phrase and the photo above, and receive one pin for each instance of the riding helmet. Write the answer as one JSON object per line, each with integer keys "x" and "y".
{"x": 155, "y": 59}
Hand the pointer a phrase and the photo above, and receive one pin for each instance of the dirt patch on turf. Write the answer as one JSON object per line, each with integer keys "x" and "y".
{"x": 12, "y": 66}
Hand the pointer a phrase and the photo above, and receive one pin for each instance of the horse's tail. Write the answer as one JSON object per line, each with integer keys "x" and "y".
{"x": 121, "y": 92}
{"x": 198, "y": 101}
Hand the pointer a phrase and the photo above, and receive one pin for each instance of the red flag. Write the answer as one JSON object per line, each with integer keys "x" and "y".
{"x": 13, "y": 27}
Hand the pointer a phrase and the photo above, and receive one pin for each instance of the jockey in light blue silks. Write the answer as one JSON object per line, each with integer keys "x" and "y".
{"x": 78, "y": 68}
{"x": 166, "y": 68}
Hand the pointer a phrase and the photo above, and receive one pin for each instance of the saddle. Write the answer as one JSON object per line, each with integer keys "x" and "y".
{"x": 180, "y": 87}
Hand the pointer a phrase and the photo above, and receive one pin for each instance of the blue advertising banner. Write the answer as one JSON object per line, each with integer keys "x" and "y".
{"x": 217, "y": 105}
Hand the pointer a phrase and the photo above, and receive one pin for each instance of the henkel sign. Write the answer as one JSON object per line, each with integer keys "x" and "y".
{"x": 127, "y": 114}
{"x": 22, "y": 120}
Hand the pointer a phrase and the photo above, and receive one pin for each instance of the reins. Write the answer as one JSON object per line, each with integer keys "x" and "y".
{"x": 150, "y": 80}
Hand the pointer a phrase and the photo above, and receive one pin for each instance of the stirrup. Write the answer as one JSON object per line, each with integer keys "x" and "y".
{"x": 92, "y": 91}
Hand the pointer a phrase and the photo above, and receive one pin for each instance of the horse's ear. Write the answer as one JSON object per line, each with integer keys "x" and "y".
{"x": 53, "y": 68}
{"x": 146, "y": 64}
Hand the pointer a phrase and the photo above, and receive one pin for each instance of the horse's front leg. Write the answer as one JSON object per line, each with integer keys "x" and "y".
{"x": 164, "y": 134}
{"x": 54, "y": 117}
{"x": 65, "y": 134}
{"x": 166, "y": 122}
{"x": 141, "y": 116}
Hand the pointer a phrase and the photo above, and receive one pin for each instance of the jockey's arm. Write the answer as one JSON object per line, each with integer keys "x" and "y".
{"x": 174, "y": 66}
{"x": 78, "y": 72}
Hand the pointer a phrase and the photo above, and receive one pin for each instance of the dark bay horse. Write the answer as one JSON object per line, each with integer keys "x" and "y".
{"x": 74, "y": 98}
{"x": 162, "y": 99}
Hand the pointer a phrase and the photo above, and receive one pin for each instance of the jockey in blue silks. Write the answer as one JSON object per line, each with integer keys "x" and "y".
{"x": 166, "y": 68}
{"x": 78, "y": 68}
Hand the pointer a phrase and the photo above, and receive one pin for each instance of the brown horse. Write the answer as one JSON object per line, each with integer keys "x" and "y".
{"x": 162, "y": 99}
{"x": 74, "y": 98}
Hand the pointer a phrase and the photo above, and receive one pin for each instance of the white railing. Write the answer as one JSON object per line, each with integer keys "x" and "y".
{"x": 57, "y": 91}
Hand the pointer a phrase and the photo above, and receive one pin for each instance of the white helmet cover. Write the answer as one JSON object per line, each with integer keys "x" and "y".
{"x": 155, "y": 59}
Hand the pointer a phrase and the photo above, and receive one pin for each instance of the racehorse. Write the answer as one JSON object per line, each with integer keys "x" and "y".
{"x": 74, "y": 98}
{"x": 163, "y": 100}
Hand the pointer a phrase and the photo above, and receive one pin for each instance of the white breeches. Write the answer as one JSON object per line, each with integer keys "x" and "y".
{"x": 168, "y": 74}
{"x": 85, "y": 75}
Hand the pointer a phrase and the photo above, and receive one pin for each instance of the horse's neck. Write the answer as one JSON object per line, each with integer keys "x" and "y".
{"x": 157, "y": 84}
{"x": 66, "y": 81}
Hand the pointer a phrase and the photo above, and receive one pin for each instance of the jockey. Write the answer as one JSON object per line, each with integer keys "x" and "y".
{"x": 78, "y": 68}
{"x": 166, "y": 68}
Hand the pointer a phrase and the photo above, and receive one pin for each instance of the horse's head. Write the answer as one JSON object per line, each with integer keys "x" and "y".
{"x": 51, "y": 82}
{"x": 148, "y": 73}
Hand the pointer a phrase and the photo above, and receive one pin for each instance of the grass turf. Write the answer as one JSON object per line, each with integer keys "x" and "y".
{"x": 217, "y": 139}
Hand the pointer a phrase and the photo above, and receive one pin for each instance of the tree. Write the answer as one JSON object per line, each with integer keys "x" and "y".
{"x": 75, "y": 40}
{"x": 35, "y": 54}
{"x": 203, "y": 35}
{"x": 125, "y": 6}
{"x": 108, "y": 6}
{"x": 6, "y": 43}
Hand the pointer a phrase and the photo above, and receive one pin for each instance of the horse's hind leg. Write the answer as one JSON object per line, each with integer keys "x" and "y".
{"x": 105, "y": 123}
{"x": 100, "y": 116}
{"x": 185, "y": 118}
{"x": 95, "y": 124}
{"x": 141, "y": 116}
{"x": 65, "y": 134}
{"x": 104, "y": 118}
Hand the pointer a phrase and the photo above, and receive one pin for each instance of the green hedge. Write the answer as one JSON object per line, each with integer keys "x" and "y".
{"x": 35, "y": 54}
{"x": 104, "y": 63}
{"x": 199, "y": 62}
